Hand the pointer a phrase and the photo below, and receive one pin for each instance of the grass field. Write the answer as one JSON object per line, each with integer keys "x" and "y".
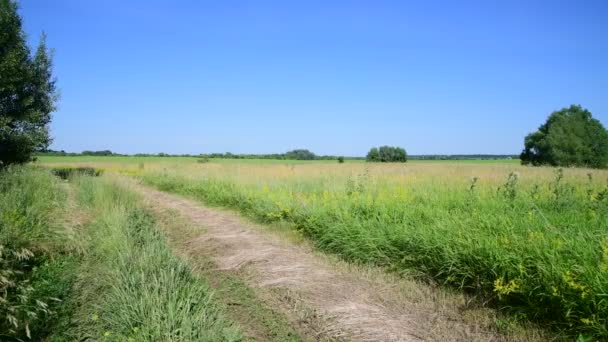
{"x": 529, "y": 241}
{"x": 85, "y": 261}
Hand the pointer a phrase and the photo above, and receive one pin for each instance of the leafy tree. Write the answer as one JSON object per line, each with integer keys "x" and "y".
{"x": 98, "y": 153}
{"x": 570, "y": 137}
{"x": 340, "y": 159}
{"x": 387, "y": 154}
{"x": 373, "y": 155}
{"x": 300, "y": 155}
{"x": 27, "y": 91}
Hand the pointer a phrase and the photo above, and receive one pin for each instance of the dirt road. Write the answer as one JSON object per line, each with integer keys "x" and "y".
{"x": 347, "y": 304}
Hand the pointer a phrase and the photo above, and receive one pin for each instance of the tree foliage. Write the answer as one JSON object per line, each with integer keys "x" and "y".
{"x": 27, "y": 90}
{"x": 300, "y": 155}
{"x": 570, "y": 137}
{"x": 387, "y": 154}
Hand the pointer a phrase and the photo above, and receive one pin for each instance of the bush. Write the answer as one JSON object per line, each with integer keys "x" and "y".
{"x": 387, "y": 154}
{"x": 300, "y": 155}
{"x": 67, "y": 172}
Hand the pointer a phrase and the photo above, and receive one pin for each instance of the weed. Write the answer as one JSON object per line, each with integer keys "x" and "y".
{"x": 67, "y": 172}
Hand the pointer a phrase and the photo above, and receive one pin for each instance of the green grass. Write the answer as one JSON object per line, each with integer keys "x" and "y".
{"x": 84, "y": 261}
{"x": 38, "y": 257}
{"x": 536, "y": 249}
{"x": 130, "y": 287}
{"x": 257, "y": 319}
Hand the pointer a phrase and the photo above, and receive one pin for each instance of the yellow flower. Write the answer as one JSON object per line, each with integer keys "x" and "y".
{"x": 571, "y": 282}
{"x": 604, "y": 261}
{"x": 503, "y": 288}
{"x": 558, "y": 243}
{"x": 536, "y": 236}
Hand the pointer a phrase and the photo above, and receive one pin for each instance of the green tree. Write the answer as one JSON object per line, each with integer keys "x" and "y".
{"x": 300, "y": 155}
{"x": 373, "y": 155}
{"x": 27, "y": 91}
{"x": 569, "y": 137}
{"x": 387, "y": 154}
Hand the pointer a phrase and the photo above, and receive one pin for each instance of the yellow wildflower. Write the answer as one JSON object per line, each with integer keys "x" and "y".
{"x": 503, "y": 288}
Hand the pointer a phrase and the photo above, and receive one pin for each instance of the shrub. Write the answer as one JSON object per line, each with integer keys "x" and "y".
{"x": 67, "y": 172}
{"x": 300, "y": 155}
{"x": 387, "y": 154}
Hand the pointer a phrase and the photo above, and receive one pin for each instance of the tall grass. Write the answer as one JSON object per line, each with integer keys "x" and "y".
{"x": 112, "y": 278}
{"x": 37, "y": 256}
{"x": 532, "y": 242}
{"x": 130, "y": 287}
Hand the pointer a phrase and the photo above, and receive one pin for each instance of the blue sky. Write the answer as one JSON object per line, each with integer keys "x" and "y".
{"x": 336, "y": 77}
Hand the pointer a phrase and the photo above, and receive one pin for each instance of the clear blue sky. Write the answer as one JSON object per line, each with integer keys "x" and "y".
{"x": 336, "y": 77}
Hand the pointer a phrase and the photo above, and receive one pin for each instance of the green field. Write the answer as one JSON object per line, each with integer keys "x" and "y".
{"x": 84, "y": 260}
{"x": 528, "y": 241}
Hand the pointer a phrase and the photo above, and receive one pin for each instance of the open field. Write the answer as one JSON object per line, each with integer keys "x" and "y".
{"x": 529, "y": 241}
{"x": 312, "y": 171}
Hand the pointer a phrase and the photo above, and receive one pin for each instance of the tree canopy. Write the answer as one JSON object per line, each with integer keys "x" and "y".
{"x": 300, "y": 155}
{"x": 386, "y": 154}
{"x": 570, "y": 137}
{"x": 27, "y": 90}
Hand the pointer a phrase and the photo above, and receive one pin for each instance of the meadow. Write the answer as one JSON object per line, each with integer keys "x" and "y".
{"x": 84, "y": 260}
{"x": 529, "y": 241}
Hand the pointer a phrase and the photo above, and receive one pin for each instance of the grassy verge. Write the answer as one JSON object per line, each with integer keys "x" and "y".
{"x": 84, "y": 261}
{"x": 537, "y": 251}
{"x": 130, "y": 287}
{"x": 38, "y": 257}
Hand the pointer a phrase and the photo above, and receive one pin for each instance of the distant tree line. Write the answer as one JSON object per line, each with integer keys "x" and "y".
{"x": 463, "y": 156}
{"x": 278, "y": 156}
{"x": 570, "y": 137}
{"x": 48, "y": 152}
{"x": 298, "y": 154}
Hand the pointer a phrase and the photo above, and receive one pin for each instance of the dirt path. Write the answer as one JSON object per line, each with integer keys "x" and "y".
{"x": 347, "y": 305}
